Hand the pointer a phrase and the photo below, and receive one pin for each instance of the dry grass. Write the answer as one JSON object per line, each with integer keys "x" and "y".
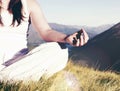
{"x": 88, "y": 80}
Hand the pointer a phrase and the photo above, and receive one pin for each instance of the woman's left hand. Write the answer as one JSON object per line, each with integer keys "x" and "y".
{"x": 78, "y": 38}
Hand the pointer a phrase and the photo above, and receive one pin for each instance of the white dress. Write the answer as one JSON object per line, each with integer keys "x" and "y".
{"x": 16, "y": 63}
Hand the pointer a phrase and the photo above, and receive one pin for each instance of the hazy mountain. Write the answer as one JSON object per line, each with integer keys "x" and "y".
{"x": 101, "y": 52}
{"x": 68, "y": 29}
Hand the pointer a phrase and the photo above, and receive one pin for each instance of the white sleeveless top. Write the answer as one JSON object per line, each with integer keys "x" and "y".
{"x": 13, "y": 39}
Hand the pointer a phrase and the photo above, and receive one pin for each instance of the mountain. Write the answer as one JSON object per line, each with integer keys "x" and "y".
{"x": 102, "y": 52}
{"x": 68, "y": 29}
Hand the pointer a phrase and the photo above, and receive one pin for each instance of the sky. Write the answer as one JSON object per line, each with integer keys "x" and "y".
{"x": 81, "y": 12}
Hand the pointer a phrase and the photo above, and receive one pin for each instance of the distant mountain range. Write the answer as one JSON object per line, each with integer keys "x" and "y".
{"x": 68, "y": 29}
{"x": 34, "y": 39}
{"x": 101, "y": 52}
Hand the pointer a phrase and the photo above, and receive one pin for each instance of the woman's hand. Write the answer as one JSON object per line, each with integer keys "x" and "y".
{"x": 78, "y": 38}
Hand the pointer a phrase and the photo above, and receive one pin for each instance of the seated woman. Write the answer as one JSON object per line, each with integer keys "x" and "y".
{"x": 16, "y": 62}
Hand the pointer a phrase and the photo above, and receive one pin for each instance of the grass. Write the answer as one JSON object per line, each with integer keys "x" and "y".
{"x": 82, "y": 78}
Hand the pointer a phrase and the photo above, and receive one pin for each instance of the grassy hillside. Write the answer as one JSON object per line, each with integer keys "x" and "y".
{"x": 72, "y": 78}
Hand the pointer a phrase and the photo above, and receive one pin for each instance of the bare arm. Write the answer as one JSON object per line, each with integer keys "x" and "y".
{"x": 40, "y": 24}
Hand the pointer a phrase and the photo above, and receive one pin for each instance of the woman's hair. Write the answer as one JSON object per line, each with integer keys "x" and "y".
{"x": 15, "y": 7}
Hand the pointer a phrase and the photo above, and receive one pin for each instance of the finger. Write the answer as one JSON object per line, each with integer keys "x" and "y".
{"x": 85, "y": 36}
{"x": 81, "y": 41}
{"x": 78, "y": 42}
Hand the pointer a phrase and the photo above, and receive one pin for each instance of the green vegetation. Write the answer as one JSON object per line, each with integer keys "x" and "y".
{"x": 88, "y": 79}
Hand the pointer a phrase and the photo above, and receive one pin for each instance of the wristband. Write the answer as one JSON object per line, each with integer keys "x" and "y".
{"x": 66, "y": 37}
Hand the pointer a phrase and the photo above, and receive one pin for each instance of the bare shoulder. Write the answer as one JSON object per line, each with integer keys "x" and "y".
{"x": 31, "y": 1}
{"x": 32, "y": 4}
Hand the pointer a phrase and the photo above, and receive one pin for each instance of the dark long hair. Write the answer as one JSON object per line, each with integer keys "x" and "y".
{"x": 15, "y": 7}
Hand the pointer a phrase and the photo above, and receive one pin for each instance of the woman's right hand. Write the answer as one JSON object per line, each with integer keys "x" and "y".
{"x": 79, "y": 38}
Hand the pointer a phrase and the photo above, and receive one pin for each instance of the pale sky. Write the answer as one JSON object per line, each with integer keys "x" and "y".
{"x": 81, "y": 12}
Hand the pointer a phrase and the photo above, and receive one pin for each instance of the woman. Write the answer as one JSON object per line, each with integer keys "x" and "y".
{"x": 16, "y": 62}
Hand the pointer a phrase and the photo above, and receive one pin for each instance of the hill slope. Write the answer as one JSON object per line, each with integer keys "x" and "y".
{"x": 101, "y": 52}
